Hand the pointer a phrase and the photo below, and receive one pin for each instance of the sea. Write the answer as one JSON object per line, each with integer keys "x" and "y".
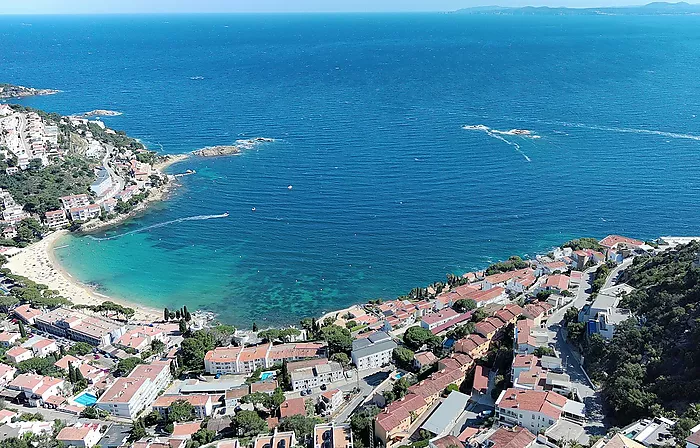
{"x": 372, "y": 185}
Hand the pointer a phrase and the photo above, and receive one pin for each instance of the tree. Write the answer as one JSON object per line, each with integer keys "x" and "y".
{"x": 341, "y": 358}
{"x": 125, "y": 366}
{"x": 80, "y": 349}
{"x": 166, "y": 314}
{"x": 478, "y": 315}
{"x": 403, "y": 357}
{"x": 400, "y": 388}
{"x": 202, "y": 437}
{"x": 248, "y": 424}
{"x": 180, "y": 411}
{"x": 464, "y": 305}
{"x": 194, "y": 347}
{"x": 513, "y": 263}
{"x": 138, "y": 431}
{"x": 461, "y": 331}
{"x": 302, "y": 426}
{"x": 182, "y": 326}
{"x": 255, "y": 326}
{"x": 362, "y": 423}
{"x": 157, "y": 346}
{"x": 22, "y": 330}
{"x": 544, "y": 351}
{"x": 416, "y": 337}
{"x": 339, "y": 339}
{"x": 29, "y": 230}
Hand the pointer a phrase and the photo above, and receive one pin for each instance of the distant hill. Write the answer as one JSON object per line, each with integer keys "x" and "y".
{"x": 656, "y": 8}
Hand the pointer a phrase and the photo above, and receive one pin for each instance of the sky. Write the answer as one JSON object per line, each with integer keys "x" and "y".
{"x": 222, "y": 6}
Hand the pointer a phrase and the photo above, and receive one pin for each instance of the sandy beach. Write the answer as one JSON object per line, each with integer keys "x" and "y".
{"x": 38, "y": 263}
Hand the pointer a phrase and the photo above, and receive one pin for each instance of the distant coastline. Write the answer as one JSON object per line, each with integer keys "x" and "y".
{"x": 10, "y": 91}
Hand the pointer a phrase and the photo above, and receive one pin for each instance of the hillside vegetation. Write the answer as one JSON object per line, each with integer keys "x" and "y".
{"x": 652, "y": 367}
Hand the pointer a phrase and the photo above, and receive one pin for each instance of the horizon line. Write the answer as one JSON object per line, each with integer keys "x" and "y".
{"x": 438, "y": 11}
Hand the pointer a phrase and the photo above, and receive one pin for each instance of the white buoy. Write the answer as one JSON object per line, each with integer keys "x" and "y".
{"x": 252, "y": 209}
{"x": 289, "y": 187}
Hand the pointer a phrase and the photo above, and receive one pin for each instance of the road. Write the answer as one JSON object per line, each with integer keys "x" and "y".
{"x": 616, "y": 271}
{"x": 367, "y": 385}
{"x": 570, "y": 361}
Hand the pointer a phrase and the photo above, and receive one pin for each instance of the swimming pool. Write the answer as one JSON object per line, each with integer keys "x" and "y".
{"x": 86, "y": 399}
{"x": 267, "y": 376}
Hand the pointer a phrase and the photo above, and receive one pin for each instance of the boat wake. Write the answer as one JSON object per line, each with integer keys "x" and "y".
{"x": 495, "y": 133}
{"x": 628, "y": 130}
{"x": 162, "y": 224}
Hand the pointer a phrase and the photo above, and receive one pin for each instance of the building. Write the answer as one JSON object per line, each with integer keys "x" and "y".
{"x": 7, "y": 373}
{"x": 9, "y": 338}
{"x": 280, "y": 439}
{"x": 115, "y": 436}
{"x": 332, "y": 435}
{"x": 19, "y": 354}
{"x": 80, "y": 436}
{"x": 536, "y": 410}
{"x": 80, "y": 327}
{"x": 314, "y": 373}
{"x": 557, "y": 283}
{"x": 603, "y": 315}
{"x": 481, "y": 381}
{"x": 27, "y": 314}
{"x": 85, "y": 213}
{"x": 128, "y": 396}
{"x": 516, "y": 437}
{"x": 185, "y": 431}
{"x": 424, "y": 359}
{"x": 42, "y": 347}
{"x": 37, "y": 388}
{"x": 473, "y": 345}
{"x": 445, "y": 417}
{"x": 56, "y": 219}
{"x": 330, "y": 401}
{"x": 228, "y": 360}
{"x": 77, "y": 200}
{"x": 528, "y": 337}
{"x": 201, "y": 403}
{"x": 293, "y": 406}
{"x": 650, "y": 432}
{"x": 103, "y": 183}
{"x": 392, "y": 424}
{"x": 692, "y": 441}
{"x": 438, "y": 319}
{"x": 372, "y": 352}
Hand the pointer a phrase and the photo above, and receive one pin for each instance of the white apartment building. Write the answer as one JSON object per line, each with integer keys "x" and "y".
{"x": 128, "y": 396}
{"x": 305, "y": 375}
{"x": 372, "y": 352}
{"x": 229, "y": 360}
{"x": 536, "y": 410}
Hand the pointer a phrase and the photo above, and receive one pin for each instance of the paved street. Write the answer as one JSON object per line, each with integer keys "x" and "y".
{"x": 570, "y": 362}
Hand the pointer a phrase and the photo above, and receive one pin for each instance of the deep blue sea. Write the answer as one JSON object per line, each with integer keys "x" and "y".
{"x": 389, "y": 192}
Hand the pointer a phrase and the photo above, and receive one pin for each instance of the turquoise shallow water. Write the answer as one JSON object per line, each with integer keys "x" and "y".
{"x": 389, "y": 192}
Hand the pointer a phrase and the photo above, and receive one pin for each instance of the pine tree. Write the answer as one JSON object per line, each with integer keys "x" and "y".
{"x": 71, "y": 373}
{"x": 184, "y": 310}
{"x": 177, "y": 314}
{"x": 166, "y": 314}
{"x": 61, "y": 351}
{"x": 183, "y": 326}
{"x": 78, "y": 374}
{"x": 255, "y": 326}
{"x": 22, "y": 330}
{"x": 188, "y": 316}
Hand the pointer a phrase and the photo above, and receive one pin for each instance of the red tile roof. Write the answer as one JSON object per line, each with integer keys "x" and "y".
{"x": 547, "y": 403}
{"x": 511, "y": 438}
{"x": 293, "y": 406}
{"x": 611, "y": 241}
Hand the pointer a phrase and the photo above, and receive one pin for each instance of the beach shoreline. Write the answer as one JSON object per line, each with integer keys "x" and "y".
{"x": 39, "y": 263}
